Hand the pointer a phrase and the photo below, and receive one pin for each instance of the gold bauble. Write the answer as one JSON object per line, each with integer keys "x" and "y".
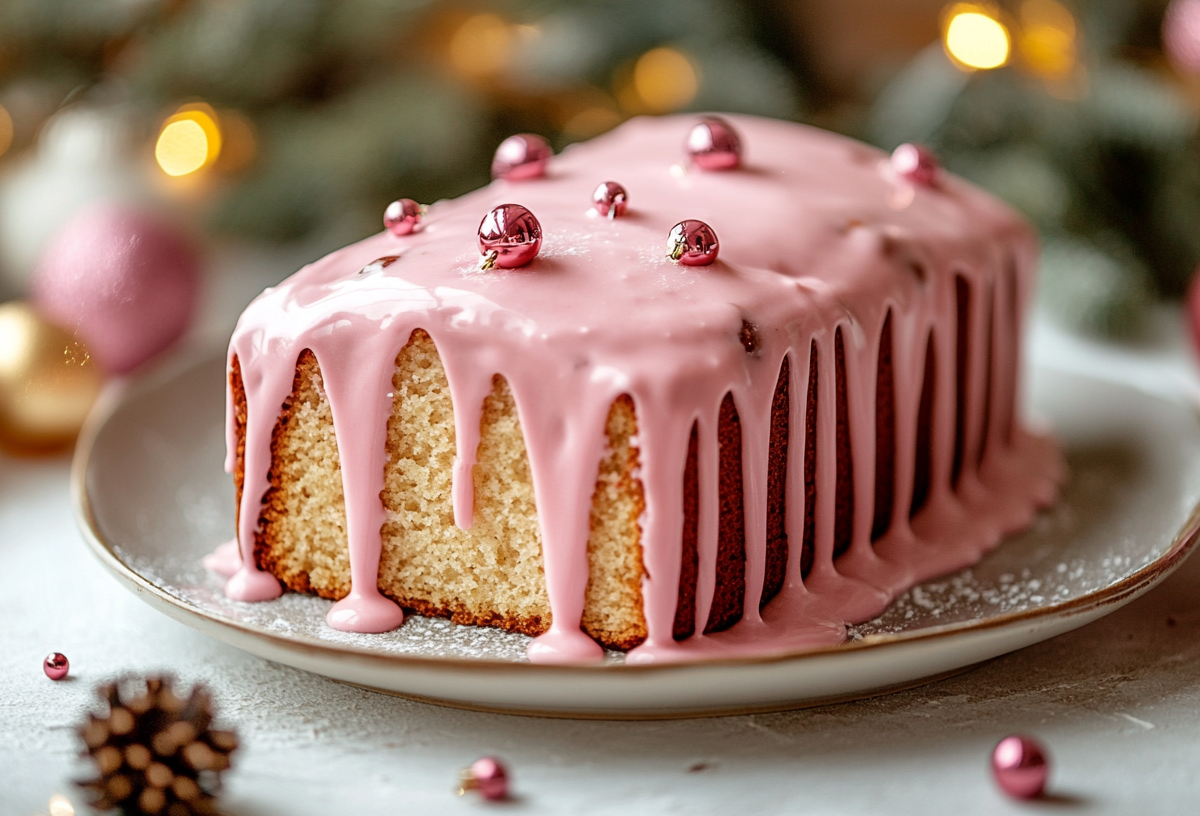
{"x": 48, "y": 381}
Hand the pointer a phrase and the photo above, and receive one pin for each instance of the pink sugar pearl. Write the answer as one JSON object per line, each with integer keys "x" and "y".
{"x": 1020, "y": 766}
{"x": 402, "y": 216}
{"x": 488, "y": 776}
{"x": 123, "y": 280}
{"x": 692, "y": 243}
{"x": 610, "y": 199}
{"x": 521, "y": 157}
{"x": 56, "y": 665}
{"x": 509, "y": 236}
{"x": 916, "y": 163}
{"x": 713, "y": 144}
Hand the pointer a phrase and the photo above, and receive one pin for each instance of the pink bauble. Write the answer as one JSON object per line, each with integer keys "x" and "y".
{"x": 692, "y": 243}
{"x": 521, "y": 157}
{"x": 610, "y": 199}
{"x": 56, "y": 665}
{"x": 402, "y": 216}
{"x": 1181, "y": 35}
{"x": 916, "y": 163}
{"x": 123, "y": 280}
{"x": 509, "y": 236}
{"x": 1020, "y": 766}
{"x": 713, "y": 144}
{"x": 1193, "y": 311}
{"x": 489, "y": 777}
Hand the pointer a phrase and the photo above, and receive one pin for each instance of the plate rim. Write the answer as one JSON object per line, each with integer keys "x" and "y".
{"x": 119, "y": 392}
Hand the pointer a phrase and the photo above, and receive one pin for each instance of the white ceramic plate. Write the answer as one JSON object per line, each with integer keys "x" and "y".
{"x": 152, "y": 499}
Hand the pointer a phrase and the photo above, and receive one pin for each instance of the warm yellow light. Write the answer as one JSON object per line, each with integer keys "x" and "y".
{"x": 6, "y": 130}
{"x": 1047, "y": 38}
{"x": 61, "y": 806}
{"x": 190, "y": 139}
{"x": 665, "y": 80}
{"x": 975, "y": 39}
{"x": 182, "y": 148}
{"x": 481, "y": 46}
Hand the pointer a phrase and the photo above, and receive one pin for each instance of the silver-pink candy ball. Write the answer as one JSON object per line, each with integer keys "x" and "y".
{"x": 489, "y": 776}
{"x": 692, "y": 243}
{"x": 521, "y": 157}
{"x": 402, "y": 216}
{"x": 1020, "y": 766}
{"x": 713, "y": 144}
{"x": 56, "y": 665}
{"x": 1181, "y": 35}
{"x": 512, "y": 233}
{"x": 610, "y": 199}
{"x": 916, "y": 163}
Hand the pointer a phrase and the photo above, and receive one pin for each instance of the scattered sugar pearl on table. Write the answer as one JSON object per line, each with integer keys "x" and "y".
{"x": 402, "y": 216}
{"x": 916, "y": 163}
{"x": 488, "y": 776}
{"x": 521, "y": 157}
{"x": 1020, "y": 766}
{"x": 713, "y": 144}
{"x": 56, "y": 665}
{"x": 510, "y": 236}
{"x": 610, "y": 199}
{"x": 692, "y": 243}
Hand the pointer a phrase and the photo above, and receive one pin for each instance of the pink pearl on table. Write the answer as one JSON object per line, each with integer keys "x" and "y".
{"x": 521, "y": 157}
{"x": 402, "y": 216}
{"x": 610, "y": 199}
{"x": 692, "y": 243}
{"x": 1020, "y": 766}
{"x": 916, "y": 163}
{"x": 488, "y": 776}
{"x": 713, "y": 144}
{"x": 509, "y": 236}
{"x": 56, "y": 665}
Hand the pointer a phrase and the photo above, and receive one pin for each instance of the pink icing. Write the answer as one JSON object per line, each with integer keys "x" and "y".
{"x": 816, "y": 235}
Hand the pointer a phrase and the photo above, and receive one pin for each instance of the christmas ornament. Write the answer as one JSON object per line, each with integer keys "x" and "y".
{"x": 915, "y": 163}
{"x": 402, "y": 216}
{"x": 692, "y": 243}
{"x": 521, "y": 157}
{"x": 1181, "y": 35}
{"x": 1020, "y": 766}
{"x": 713, "y": 144}
{"x": 56, "y": 665}
{"x": 1193, "y": 311}
{"x": 47, "y": 381}
{"x": 509, "y": 236}
{"x": 85, "y": 155}
{"x": 488, "y": 776}
{"x": 156, "y": 752}
{"x": 610, "y": 199}
{"x": 124, "y": 281}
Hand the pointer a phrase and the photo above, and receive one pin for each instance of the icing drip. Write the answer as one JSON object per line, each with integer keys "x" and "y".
{"x": 815, "y": 259}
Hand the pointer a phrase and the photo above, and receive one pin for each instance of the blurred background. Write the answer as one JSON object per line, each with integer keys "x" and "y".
{"x": 258, "y": 134}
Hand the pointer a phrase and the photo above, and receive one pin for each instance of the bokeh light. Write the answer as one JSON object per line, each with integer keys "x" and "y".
{"x": 1047, "y": 38}
{"x": 665, "y": 80}
{"x": 61, "y": 806}
{"x": 190, "y": 139}
{"x": 6, "y": 130}
{"x": 482, "y": 46}
{"x": 974, "y": 38}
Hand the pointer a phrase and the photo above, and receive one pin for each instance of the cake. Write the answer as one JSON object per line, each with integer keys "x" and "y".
{"x": 607, "y": 447}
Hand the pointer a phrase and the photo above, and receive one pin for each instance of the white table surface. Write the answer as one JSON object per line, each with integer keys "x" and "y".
{"x": 1117, "y": 702}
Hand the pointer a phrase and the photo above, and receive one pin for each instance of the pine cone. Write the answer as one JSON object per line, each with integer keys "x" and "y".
{"x": 156, "y": 753}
